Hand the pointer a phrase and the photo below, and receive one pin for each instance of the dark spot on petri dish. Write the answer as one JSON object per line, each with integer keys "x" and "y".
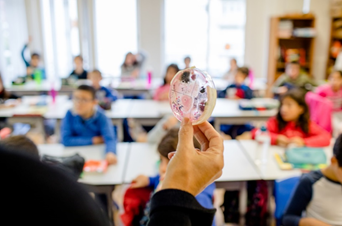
{"x": 202, "y": 90}
{"x": 185, "y": 77}
{"x": 202, "y": 106}
{"x": 193, "y": 77}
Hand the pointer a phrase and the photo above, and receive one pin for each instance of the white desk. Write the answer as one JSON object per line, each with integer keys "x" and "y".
{"x": 149, "y": 112}
{"x": 32, "y": 88}
{"x": 227, "y": 111}
{"x": 237, "y": 170}
{"x": 95, "y": 182}
{"x": 271, "y": 170}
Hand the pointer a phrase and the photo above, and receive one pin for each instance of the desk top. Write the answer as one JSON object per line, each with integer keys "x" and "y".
{"x": 149, "y": 109}
{"x": 114, "y": 174}
{"x": 271, "y": 170}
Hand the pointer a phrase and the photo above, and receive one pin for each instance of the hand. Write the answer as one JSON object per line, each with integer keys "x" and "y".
{"x": 164, "y": 96}
{"x": 171, "y": 122}
{"x": 111, "y": 158}
{"x": 282, "y": 90}
{"x": 297, "y": 141}
{"x": 192, "y": 170}
{"x": 97, "y": 140}
{"x": 282, "y": 140}
{"x": 140, "y": 182}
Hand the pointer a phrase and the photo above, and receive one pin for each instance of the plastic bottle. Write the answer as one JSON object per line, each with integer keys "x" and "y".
{"x": 263, "y": 138}
{"x": 38, "y": 76}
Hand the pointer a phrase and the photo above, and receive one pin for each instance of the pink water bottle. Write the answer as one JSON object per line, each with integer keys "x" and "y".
{"x": 53, "y": 93}
{"x": 149, "y": 73}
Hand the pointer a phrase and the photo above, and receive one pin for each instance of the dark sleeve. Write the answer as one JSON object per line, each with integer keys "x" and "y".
{"x": 223, "y": 93}
{"x": 27, "y": 64}
{"x": 53, "y": 198}
{"x": 176, "y": 207}
{"x": 247, "y": 92}
{"x": 298, "y": 202}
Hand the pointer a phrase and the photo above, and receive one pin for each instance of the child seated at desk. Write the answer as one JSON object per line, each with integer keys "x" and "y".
{"x": 167, "y": 145}
{"x": 319, "y": 195}
{"x": 5, "y": 95}
{"x": 33, "y": 66}
{"x": 162, "y": 93}
{"x": 292, "y": 125}
{"x": 333, "y": 90}
{"x": 86, "y": 123}
{"x": 238, "y": 90}
{"x": 79, "y": 71}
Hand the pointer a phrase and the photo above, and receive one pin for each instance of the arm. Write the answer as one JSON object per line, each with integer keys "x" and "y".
{"x": 110, "y": 95}
{"x": 27, "y": 64}
{"x": 309, "y": 221}
{"x": 318, "y": 137}
{"x": 108, "y": 135}
{"x": 247, "y": 92}
{"x": 176, "y": 207}
{"x": 156, "y": 134}
{"x": 300, "y": 199}
{"x": 67, "y": 137}
{"x": 278, "y": 83}
{"x": 223, "y": 93}
{"x": 273, "y": 129}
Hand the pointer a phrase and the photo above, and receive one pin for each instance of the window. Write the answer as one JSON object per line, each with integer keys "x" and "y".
{"x": 60, "y": 36}
{"x": 214, "y": 36}
{"x": 13, "y": 36}
{"x": 116, "y": 33}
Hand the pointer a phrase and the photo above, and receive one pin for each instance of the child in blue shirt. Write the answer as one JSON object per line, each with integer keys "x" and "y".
{"x": 86, "y": 123}
{"x": 102, "y": 92}
{"x": 167, "y": 145}
{"x": 238, "y": 90}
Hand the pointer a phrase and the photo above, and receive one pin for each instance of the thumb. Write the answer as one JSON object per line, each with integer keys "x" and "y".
{"x": 185, "y": 135}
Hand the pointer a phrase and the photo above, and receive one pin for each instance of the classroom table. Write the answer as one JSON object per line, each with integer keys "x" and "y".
{"x": 227, "y": 111}
{"x": 95, "y": 182}
{"x": 143, "y": 159}
{"x": 33, "y": 88}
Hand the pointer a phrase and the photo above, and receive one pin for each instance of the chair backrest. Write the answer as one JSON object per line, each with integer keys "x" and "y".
{"x": 282, "y": 193}
{"x": 320, "y": 110}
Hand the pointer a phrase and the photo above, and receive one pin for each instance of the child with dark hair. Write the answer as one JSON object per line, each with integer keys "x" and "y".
{"x": 20, "y": 143}
{"x": 33, "y": 65}
{"x": 78, "y": 70}
{"x": 238, "y": 90}
{"x": 167, "y": 145}
{"x": 162, "y": 92}
{"x": 292, "y": 124}
{"x": 87, "y": 124}
{"x": 319, "y": 195}
{"x": 187, "y": 62}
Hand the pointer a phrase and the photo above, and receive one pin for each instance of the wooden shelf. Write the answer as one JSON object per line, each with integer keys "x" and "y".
{"x": 276, "y": 41}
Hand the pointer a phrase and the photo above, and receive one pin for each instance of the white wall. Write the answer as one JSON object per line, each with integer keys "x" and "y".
{"x": 257, "y": 32}
{"x": 150, "y": 33}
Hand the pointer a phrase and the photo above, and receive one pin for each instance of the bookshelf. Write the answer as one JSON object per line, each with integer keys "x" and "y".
{"x": 291, "y": 38}
{"x": 335, "y": 43}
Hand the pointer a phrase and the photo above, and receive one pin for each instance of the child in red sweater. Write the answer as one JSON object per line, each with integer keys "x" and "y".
{"x": 292, "y": 125}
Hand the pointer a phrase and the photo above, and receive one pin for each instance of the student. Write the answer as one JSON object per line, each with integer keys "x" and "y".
{"x": 230, "y": 74}
{"x": 292, "y": 78}
{"x": 79, "y": 71}
{"x": 162, "y": 92}
{"x": 34, "y": 64}
{"x": 86, "y": 124}
{"x": 292, "y": 125}
{"x": 20, "y": 143}
{"x": 238, "y": 90}
{"x": 102, "y": 92}
{"x": 132, "y": 64}
{"x": 319, "y": 195}
{"x": 187, "y": 62}
{"x": 167, "y": 145}
{"x": 333, "y": 90}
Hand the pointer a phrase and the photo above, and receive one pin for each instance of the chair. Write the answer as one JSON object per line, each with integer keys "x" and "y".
{"x": 320, "y": 110}
{"x": 282, "y": 193}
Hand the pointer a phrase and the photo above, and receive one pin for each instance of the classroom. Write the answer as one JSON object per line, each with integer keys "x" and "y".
{"x": 171, "y": 112}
